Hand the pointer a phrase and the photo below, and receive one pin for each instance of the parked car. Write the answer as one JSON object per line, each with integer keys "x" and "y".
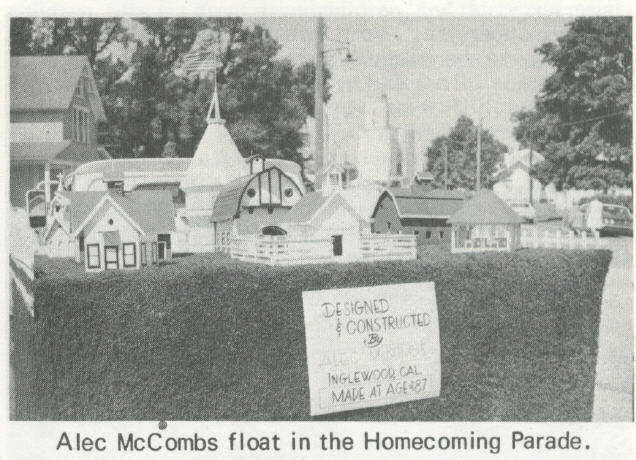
{"x": 525, "y": 210}
{"x": 607, "y": 219}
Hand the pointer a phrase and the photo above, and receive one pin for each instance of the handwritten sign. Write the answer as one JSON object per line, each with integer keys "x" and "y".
{"x": 371, "y": 346}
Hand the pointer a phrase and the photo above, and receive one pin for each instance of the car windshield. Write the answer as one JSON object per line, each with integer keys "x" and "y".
{"x": 616, "y": 212}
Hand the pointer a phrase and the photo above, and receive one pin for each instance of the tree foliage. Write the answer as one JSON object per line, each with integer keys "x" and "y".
{"x": 461, "y": 143}
{"x": 154, "y": 108}
{"x": 582, "y": 120}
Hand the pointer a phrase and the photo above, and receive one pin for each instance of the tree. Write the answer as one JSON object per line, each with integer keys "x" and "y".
{"x": 21, "y": 33}
{"x": 461, "y": 145}
{"x": 86, "y": 36}
{"x": 582, "y": 121}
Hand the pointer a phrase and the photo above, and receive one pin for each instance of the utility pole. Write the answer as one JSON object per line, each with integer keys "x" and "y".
{"x": 530, "y": 171}
{"x": 318, "y": 95}
{"x": 478, "y": 181}
{"x": 445, "y": 166}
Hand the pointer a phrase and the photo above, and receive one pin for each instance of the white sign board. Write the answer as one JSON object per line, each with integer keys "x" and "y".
{"x": 371, "y": 346}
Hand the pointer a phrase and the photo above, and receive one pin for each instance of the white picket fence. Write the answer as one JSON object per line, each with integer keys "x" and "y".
{"x": 283, "y": 250}
{"x": 388, "y": 246}
{"x": 534, "y": 238}
{"x": 279, "y": 250}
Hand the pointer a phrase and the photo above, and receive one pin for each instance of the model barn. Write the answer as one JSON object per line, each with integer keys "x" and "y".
{"x": 424, "y": 214}
{"x": 250, "y": 203}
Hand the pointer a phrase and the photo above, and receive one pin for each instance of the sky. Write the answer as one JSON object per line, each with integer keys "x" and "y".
{"x": 432, "y": 69}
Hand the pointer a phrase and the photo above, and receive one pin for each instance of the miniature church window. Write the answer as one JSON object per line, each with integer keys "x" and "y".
{"x": 130, "y": 254}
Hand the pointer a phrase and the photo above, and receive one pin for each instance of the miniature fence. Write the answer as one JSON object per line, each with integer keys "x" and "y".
{"x": 388, "y": 247}
{"x": 282, "y": 250}
{"x": 556, "y": 239}
{"x": 279, "y": 250}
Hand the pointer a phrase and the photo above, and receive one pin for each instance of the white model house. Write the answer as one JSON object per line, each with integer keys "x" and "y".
{"x": 111, "y": 230}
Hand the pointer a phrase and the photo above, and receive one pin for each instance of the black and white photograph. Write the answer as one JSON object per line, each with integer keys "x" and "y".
{"x": 320, "y": 218}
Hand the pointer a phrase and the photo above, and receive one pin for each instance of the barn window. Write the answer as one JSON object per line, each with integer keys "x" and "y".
{"x": 288, "y": 192}
{"x": 130, "y": 254}
{"x": 251, "y": 193}
{"x": 92, "y": 255}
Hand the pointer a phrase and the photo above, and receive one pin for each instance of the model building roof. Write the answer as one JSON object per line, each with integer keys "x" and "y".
{"x": 217, "y": 161}
{"x": 63, "y": 151}
{"x": 153, "y": 210}
{"x": 424, "y": 204}
{"x": 484, "y": 207}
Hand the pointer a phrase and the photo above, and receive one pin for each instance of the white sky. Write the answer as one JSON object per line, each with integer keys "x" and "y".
{"x": 432, "y": 69}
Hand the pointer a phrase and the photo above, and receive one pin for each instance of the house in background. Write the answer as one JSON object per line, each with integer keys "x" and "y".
{"x": 54, "y": 116}
{"x": 513, "y": 182}
{"x": 424, "y": 214}
{"x": 485, "y": 223}
{"x": 111, "y": 230}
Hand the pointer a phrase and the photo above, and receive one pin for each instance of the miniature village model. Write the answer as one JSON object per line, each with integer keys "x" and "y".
{"x": 130, "y": 213}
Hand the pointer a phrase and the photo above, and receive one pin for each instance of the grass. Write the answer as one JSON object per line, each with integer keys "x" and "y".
{"x": 208, "y": 338}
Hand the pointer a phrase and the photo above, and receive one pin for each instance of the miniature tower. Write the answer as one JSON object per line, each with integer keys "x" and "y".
{"x": 216, "y": 162}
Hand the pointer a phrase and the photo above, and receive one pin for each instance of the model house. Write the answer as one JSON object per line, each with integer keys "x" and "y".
{"x": 111, "y": 230}
{"x": 485, "y": 223}
{"x": 424, "y": 214}
{"x": 54, "y": 114}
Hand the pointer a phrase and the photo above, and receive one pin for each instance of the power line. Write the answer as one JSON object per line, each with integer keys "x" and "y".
{"x": 609, "y": 115}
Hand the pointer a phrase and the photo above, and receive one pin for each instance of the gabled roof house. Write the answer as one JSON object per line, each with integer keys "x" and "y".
{"x": 54, "y": 113}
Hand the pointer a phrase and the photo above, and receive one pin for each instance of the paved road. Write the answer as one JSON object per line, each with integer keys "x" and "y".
{"x": 613, "y": 392}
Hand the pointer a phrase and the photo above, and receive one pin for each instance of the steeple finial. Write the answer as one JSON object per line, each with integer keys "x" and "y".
{"x": 214, "y": 105}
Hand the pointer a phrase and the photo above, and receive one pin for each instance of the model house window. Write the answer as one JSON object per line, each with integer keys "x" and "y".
{"x": 154, "y": 252}
{"x": 428, "y": 235}
{"x": 92, "y": 255}
{"x": 130, "y": 254}
{"x": 144, "y": 261}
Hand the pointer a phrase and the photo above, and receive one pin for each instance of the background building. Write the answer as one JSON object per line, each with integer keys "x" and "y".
{"x": 55, "y": 112}
{"x": 385, "y": 154}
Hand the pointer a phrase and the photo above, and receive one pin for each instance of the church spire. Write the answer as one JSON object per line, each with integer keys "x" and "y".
{"x": 214, "y": 106}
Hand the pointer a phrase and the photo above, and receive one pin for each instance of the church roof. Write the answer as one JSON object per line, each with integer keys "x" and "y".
{"x": 485, "y": 208}
{"x": 217, "y": 161}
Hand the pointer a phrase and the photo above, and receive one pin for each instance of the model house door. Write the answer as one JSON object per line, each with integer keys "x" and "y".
{"x": 162, "y": 250}
{"x": 111, "y": 257}
{"x": 336, "y": 241}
